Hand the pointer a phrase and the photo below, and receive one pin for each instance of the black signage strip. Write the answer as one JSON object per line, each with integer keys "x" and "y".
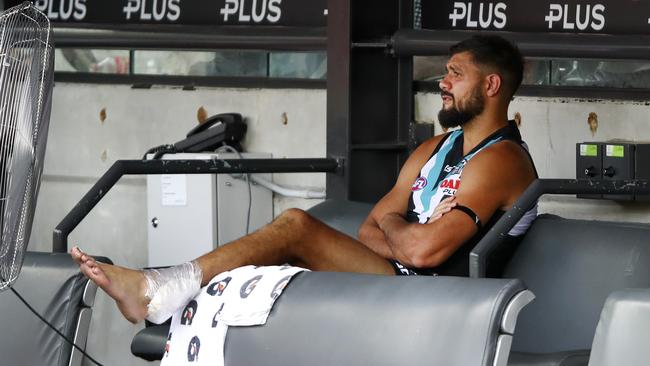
{"x": 426, "y": 42}
{"x": 620, "y": 17}
{"x": 295, "y": 13}
{"x": 200, "y": 38}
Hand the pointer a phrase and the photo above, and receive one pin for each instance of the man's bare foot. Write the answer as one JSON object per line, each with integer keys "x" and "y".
{"x": 126, "y": 286}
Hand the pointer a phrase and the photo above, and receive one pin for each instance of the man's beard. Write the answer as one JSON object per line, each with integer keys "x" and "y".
{"x": 457, "y": 117}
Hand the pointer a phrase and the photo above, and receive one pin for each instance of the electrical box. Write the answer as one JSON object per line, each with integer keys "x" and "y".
{"x": 613, "y": 160}
{"x": 189, "y": 215}
{"x": 642, "y": 166}
{"x": 618, "y": 163}
{"x": 589, "y": 164}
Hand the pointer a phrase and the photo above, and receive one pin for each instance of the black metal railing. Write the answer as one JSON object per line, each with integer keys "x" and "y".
{"x": 192, "y": 38}
{"x": 410, "y": 42}
{"x": 491, "y": 240}
{"x": 212, "y": 166}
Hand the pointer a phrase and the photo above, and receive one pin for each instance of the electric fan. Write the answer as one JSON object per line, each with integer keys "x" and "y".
{"x": 26, "y": 69}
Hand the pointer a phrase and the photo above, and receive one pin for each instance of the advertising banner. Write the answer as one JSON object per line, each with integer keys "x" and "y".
{"x": 539, "y": 16}
{"x": 299, "y": 13}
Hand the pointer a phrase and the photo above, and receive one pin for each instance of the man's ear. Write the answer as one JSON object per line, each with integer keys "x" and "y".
{"x": 493, "y": 82}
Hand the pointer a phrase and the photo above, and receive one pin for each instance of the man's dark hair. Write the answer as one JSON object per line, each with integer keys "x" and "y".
{"x": 497, "y": 55}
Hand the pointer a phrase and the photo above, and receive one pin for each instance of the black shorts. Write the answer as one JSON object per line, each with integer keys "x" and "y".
{"x": 402, "y": 270}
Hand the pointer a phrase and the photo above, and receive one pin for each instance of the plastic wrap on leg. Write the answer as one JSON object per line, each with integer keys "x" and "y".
{"x": 169, "y": 289}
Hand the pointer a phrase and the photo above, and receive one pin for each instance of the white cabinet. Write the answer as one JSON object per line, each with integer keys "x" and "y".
{"x": 189, "y": 215}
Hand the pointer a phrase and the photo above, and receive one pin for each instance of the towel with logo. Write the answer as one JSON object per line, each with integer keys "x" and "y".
{"x": 241, "y": 297}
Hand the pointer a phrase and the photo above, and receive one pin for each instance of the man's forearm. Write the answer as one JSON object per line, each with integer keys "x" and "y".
{"x": 373, "y": 238}
{"x": 398, "y": 236}
{"x": 393, "y": 226}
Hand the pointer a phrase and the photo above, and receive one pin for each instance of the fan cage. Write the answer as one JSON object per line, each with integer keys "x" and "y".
{"x": 26, "y": 71}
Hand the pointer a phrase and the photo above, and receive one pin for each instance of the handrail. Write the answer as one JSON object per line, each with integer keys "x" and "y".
{"x": 409, "y": 42}
{"x": 489, "y": 242}
{"x": 211, "y": 166}
{"x": 193, "y": 38}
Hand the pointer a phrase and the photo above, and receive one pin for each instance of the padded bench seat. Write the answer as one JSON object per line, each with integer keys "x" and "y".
{"x": 331, "y": 319}
{"x": 623, "y": 332}
{"x": 53, "y": 285}
{"x": 572, "y": 266}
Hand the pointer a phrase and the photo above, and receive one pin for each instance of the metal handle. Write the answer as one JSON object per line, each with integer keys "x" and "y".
{"x": 212, "y": 166}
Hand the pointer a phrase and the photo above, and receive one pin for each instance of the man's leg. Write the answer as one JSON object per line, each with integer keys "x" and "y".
{"x": 294, "y": 237}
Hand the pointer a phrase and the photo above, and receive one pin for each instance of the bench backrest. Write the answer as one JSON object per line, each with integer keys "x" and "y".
{"x": 623, "y": 332}
{"x": 572, "y": 266}
{"x": 342, "y": 215}
{"x": 53, "y": 285}
{"x": 352, "y": 319}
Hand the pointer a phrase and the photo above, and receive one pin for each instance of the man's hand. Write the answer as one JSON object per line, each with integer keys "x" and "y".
{"x": 394, "y": 225}
{"x": 443, "y": 207}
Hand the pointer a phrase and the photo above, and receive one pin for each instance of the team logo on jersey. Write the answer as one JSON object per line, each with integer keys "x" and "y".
{"x": 193, "y": 349}
{"x": 188, "y": 313}
{"x": 419, "y": 184}
{"x": 217, "y": 288}
{"x": 249, "y": 286}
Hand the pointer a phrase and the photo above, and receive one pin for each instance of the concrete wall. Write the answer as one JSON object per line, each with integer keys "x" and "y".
{"x": 552, "y": 127}
{"x": 92, "y": 126}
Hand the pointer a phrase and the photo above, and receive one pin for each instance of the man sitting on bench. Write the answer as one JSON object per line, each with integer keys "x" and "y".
{"x": 428, "y": 222}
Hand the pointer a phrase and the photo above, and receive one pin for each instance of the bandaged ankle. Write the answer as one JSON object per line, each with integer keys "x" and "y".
{"x": 169, "y": 289}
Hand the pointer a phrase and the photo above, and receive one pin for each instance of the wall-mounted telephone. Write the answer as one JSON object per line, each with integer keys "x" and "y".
{"x": 218, "y": 130}
{"x": 228, "y": 128}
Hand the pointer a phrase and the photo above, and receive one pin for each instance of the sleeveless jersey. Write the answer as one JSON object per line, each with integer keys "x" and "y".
{"x": 441, "y": 176}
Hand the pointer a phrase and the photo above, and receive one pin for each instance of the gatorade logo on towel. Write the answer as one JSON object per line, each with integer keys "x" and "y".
{"x": 249, "y": 286}
{"x": 215, "y": 322}
{"x": 217, "y": 288}
{"x": 279, "y": 287}
{"x": 193, "y": 349}
{"x": 169, "y": 339}
{"x": 189, "y": 312}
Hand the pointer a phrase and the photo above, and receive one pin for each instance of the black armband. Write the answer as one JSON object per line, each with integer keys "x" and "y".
{"x": 471, "y": 214}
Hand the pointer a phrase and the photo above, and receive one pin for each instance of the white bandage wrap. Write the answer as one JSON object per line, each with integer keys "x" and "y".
{"x": 171, "y": 288}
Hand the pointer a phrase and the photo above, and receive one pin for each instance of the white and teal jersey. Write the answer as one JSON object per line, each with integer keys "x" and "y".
{"x": 441, "y": 176}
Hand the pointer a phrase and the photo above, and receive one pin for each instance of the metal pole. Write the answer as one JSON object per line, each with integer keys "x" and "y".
{"x": 143, "y": 167}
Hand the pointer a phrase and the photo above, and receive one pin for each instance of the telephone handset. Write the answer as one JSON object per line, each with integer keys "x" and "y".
{"x": 214, "y": 121}
{"x": 222, "y": 128}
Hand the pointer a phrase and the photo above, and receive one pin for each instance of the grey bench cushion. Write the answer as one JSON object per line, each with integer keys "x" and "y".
{"x": 572, "y": 266}
{"x": 352, "y": 319}
{"x": 52, "y": 284}
{"x": 623, "y": 333}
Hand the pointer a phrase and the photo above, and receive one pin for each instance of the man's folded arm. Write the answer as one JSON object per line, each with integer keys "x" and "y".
{"x": 396, "y": 200}
{"x": 491, "y": 181}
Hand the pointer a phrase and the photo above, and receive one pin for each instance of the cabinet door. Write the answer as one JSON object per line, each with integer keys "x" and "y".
{"x": 181, "y": 213}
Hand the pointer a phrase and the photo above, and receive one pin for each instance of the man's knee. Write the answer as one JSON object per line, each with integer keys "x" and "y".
{"x": 297, "y": 218}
